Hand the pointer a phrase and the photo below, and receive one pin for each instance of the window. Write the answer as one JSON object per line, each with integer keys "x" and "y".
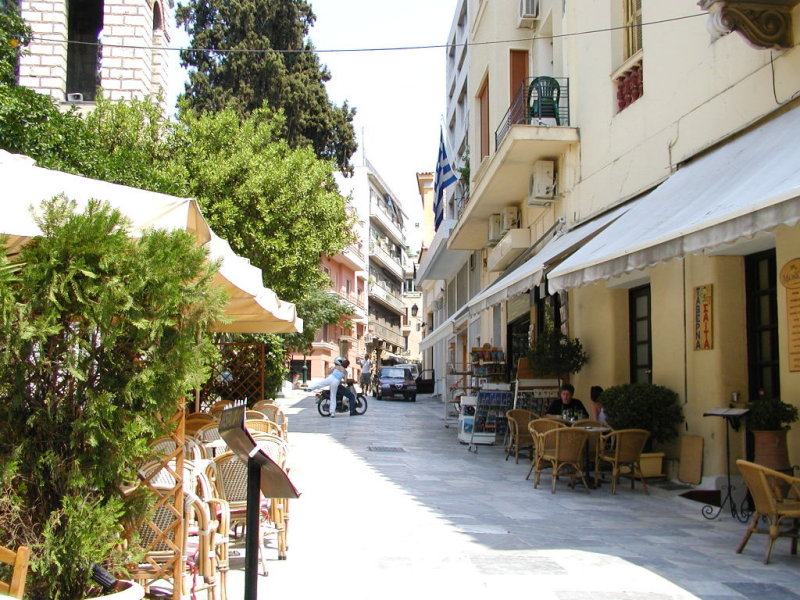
{"x": 483, "y": 115}
{"x": 641, "y": 349}
{"x": 762, "y": 324}
{"x": 633, "y": 27}
{"x": 84, "y": 22}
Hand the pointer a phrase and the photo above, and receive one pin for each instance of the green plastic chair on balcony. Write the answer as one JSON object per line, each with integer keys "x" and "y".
{"x": 544, "y": 94}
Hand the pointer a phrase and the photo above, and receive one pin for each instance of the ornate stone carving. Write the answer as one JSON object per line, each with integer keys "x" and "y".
{"x": 763, "y": 23}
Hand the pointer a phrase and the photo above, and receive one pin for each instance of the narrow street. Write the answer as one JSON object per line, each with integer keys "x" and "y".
{"x": 393, "y": 506}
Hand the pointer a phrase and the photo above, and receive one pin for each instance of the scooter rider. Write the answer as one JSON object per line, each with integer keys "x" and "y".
{"x": 334, "y": 379}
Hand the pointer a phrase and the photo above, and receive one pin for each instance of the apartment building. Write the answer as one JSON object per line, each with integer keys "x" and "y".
{"x": 631, "y": 183}
{"x": 118, "y": 46}
{"x": 443, "y": 271}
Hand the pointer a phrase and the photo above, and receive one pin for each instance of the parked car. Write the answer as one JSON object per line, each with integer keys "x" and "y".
{"x": 426, "y": 381}
{"x": 396, "y": 382}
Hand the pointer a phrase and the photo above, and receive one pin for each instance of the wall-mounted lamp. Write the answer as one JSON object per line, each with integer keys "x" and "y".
{"x": 414, "y": 310}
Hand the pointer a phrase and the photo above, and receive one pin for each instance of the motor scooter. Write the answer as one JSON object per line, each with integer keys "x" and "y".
{"x": 342, "y": 404}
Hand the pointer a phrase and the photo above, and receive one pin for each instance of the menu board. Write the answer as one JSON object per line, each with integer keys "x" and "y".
{"x": 790, "y": 279}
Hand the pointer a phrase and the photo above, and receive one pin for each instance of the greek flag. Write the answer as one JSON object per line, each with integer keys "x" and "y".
{"x": 444, "y": 177}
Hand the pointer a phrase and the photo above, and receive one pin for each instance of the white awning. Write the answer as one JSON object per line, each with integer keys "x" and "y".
{"x": 441, "y": 333}
{"x": 530, "y": 273}
{"x": 750, "y": 185}
{"x": 252, "y": 307}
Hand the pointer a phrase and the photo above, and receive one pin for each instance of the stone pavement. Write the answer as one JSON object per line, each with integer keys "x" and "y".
{"x": 394, "y": 507}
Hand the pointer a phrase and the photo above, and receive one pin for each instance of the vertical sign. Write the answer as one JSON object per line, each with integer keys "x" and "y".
{"x": 790, "y": 279}
{"x": 703, "y": 317}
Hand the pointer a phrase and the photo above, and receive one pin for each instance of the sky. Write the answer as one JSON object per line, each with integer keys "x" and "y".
{"x": 399, "y": 96}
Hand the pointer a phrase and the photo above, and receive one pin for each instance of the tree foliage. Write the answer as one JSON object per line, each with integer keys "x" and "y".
{"x": 100, "y": 335}
{"x": 14, "y": 36}
{"x": 244, "y": 73}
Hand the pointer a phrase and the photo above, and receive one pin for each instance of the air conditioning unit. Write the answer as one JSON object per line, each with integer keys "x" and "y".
{"x": 528, "y": 13}
{"x": 542, "y": 186}
{"x": 495, "y": 228}
{"x": 510, "y": 218}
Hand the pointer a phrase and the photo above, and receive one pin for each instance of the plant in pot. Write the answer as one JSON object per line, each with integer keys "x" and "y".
{"x": 645, "y": 406}
{"x": 101, "y": 337}
{"x": 554, "y": 353}
{"x": 769, "y": 420}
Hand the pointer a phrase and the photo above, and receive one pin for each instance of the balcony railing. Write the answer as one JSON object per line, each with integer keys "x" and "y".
{"x": 389, "y": 260}
{"x": 533, "y": 105}
{"x": 387, "y": 296}
{"x": 389, "y": 335}
{"x": 353, "y": 299}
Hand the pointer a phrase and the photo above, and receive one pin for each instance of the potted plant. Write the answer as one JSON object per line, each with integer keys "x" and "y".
{"x": 101, "y": 337}
{"x": 554, "y": 353}
{"x": 769, "y": 420}
{"x": 645, "y": 406}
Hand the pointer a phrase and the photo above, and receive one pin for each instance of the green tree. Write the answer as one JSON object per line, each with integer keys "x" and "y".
{"x": 245, "y": 71}
{"x": 101, "y": 335}
{"x": 14, "y": 36}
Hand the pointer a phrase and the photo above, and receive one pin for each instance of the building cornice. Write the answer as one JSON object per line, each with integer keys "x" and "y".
{"x": 763, "y": 23}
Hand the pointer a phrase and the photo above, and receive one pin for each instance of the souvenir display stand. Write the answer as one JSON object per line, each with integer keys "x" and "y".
{"x": 491, "y": 404}
{"x": 535, "y": 395}
{"x": 460, "y": 383}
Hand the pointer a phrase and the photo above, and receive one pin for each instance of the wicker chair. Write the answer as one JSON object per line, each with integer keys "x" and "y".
{"x": 164, "y": 538}
{"x": 622, "y": 448}
{"x": 219, "y": 406}
{"x": 276, "y": 448}
{"x": 229, "y": 475}
{"x": 261, "y": 404}
{"x": 519, "y": 436}
{"x": 195, "y": 421}
{"x": 263, "y": 426}
{"x": 777, "y": 499}
{"x": 18, "y": 561}
{"x": 537, "y": 427}
{"x": 563, "y": 447}
{"x": 587, "y": 423}
{"x": 274, "y": 414}
{"x": 220, "y": 509}
{"x": 254, "y": 415}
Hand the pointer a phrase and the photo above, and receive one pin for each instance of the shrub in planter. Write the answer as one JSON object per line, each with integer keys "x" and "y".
{"x": 100, "y": 338}
{"x": 643, "y": 406}
{"x": 555, "y": 353}
{"x": 770, "y": 414}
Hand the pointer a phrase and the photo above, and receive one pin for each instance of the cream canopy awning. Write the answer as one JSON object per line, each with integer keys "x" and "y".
{"x": 252, "y": 307}
{"x": 748, "y": 186}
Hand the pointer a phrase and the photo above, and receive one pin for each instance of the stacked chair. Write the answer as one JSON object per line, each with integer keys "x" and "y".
{"x": 18, "y": 561}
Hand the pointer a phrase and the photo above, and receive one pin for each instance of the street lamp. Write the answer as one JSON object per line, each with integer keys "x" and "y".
{"x": 414, "y": 310}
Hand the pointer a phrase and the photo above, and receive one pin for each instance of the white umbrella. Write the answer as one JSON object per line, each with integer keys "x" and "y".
{"x": 253, "y": 307}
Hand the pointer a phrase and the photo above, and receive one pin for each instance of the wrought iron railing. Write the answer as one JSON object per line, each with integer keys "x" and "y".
{"x": 387, "y": 295}
{"x": 389, "y": 335}
{"x": 528, "y": 107}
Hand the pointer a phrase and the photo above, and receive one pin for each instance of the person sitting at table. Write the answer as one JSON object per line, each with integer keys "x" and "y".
{"x": 594, "y": 393}
{"x": 566, "y": 406}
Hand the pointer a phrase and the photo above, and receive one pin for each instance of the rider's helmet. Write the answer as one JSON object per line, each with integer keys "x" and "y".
{"x": 339, "y": 360}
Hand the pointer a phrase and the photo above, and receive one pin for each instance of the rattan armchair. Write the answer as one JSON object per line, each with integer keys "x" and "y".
{"x": 519, "y": 436}
{"x": 263, "y": 426}
{"x": 622, "y": 448}
{"x": 563, "y": 448}
{"x": 777, "y": 499}
{"x": 274, "y": 414}
{"x": 18, "y": 561}
{"x": 229, "y": 476}
{"x": 537, "y": 427}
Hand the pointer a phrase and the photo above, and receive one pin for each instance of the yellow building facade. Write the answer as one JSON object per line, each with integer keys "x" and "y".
{"x": 662, "y": 169}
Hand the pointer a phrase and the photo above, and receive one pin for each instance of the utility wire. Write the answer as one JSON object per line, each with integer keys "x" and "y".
{"x": 354, "y": 50}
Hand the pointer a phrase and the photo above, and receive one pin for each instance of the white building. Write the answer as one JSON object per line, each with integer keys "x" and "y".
{"x": 81, "y": 46}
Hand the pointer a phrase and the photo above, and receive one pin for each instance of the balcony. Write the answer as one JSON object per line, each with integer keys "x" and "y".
{"x": 388, "y": 261}
{"x": 510, "y": 246}
{"x": 386, "y": 334}
{"x": 356, "y": 303}
{"x": 352, "y": 257}
{"x": 531, "y": 130}
{"x": 387, "y": 297}
{"x": 383, "y": 216}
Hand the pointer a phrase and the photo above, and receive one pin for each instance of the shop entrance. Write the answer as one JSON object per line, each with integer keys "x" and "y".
{"x": 762, "y": 324}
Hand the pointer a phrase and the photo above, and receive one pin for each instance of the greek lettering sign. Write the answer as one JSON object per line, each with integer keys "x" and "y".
{"x": 790, "y": 279}
{"x": 703, "y": 317}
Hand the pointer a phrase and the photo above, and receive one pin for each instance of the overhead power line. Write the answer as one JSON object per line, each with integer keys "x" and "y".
{"x": 354, "y": 50}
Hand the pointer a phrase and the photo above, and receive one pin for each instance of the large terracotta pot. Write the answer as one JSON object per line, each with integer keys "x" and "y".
{"x": 132, "y": 591}
{"x": 771, "y": 449}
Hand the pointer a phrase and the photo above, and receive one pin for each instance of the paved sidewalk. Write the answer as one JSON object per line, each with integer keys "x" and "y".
{"x": 394, "y": 507}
